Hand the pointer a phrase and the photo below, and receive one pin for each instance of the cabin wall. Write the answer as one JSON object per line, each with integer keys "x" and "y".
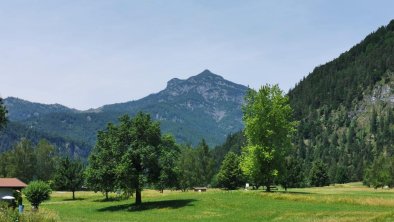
{"x": 6, "y": 192}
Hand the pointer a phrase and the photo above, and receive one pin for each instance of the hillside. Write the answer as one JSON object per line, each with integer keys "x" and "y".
{"x": 202, "y": 106}
{"x": 345, "y": 108}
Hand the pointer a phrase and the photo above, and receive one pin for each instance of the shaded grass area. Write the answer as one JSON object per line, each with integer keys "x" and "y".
{"x": 171, "y": 204}
{"x": 351, "y": 202}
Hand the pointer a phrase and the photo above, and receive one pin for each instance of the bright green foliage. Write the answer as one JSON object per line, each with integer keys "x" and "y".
{"x": 167, "y": 161}
{"x": 230, "y": 175}
{"x": 319, "y": 175}
{"x": 101, "y": 171}
{"x": 37, "y": 192}
{"x": 140, "y": 139}
{"x": 69, "y": 175}
{"x": 268, "y": 129}
{"x": 380, "y": 173}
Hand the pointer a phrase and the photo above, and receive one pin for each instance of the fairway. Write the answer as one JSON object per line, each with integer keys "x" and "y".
{"x": 349, "y": 202}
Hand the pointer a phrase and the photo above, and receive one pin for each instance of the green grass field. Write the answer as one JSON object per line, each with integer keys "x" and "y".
{"x": 349, "y": 202}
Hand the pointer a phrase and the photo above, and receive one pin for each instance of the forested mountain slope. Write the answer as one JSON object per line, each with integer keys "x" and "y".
{"x": 202, "y": 106}
{"x": 345, "y": 108}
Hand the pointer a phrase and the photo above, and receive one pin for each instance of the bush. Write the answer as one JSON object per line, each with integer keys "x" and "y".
{"x": 37, "y": 192}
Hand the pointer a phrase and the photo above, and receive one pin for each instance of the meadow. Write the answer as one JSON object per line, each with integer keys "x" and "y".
{"x": 348, "y": 202}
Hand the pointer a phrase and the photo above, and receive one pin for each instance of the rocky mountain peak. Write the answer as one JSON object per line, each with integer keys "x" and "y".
{"x": 208, "y": 85}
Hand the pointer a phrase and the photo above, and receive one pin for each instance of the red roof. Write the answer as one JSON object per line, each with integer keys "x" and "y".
{"x": 11, "y": 182}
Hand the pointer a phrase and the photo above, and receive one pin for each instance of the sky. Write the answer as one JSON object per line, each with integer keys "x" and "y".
{"x": 88, "y": 53}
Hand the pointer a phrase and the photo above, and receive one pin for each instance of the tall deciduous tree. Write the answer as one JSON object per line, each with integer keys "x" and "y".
{"x": 167, "y": 161}
{"x": 103, "y": 160}
{"x": 69, "y": 175}
{"x": 268, "y": 129}
{"x": 140, "y": 138}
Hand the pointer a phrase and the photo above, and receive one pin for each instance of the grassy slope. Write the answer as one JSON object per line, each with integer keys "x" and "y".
{"x": 350, "y": 202}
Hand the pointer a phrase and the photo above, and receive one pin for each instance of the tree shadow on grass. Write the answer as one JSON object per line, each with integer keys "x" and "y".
{"x": 290, "y": 192}
{"x": 172, "y": 204}
{"x": 76, "y": 199}
{"x": 111, "y": 199}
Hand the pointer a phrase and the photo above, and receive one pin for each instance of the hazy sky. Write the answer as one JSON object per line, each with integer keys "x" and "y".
{"x": 85, "y": 54}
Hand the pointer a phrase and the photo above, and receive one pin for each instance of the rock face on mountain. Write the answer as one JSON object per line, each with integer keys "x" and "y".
{"x": 202, "y": 106}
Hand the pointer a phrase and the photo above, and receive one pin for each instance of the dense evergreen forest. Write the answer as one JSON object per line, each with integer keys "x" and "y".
{"x": 345, "y": 109}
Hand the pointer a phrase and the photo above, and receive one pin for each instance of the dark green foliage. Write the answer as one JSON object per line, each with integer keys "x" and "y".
{"x": 319, "y": 174}
{"x": 69, "y": 175}
{"x": 168, "y": 163}
{"x": 292, "y": 175}
{"x": 380, "y": 173}
{"x": 341, "y": 175}
{"x": 345, "y": 111}
{"x": 101, "y": 171}
{"x": 230, "y": 174}
{"x": 204, "y": 164}
{"x": 195, "y": 167}
{"x": 344, "y": 79}
{"x": 233, "y": 143}
{"x": 186, "y": 167}
{"x": 3, "y": 113}
{"x": 20, "y": 161}
{"x": 14, "y": 132}
{"x": 139, "y": 140}
{"x": 46, "y": 160}
{"x": 37, "y": 192}
{"x": 28, "y": 162}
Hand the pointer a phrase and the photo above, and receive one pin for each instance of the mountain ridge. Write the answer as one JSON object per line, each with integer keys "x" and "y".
{"x": 201, "y": 106}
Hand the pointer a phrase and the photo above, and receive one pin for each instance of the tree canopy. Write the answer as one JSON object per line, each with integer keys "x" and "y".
{"x": 268, "y": 130}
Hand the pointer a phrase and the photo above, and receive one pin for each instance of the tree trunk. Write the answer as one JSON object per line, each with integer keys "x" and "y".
{"x": 268, "y": 187}
{"x": 73, "y": 194}
{"x": 138, "y": 196}
{"x": 106, "y": 195}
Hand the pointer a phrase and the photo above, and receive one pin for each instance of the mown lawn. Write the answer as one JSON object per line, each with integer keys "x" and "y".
{"x": 350, "y": 202}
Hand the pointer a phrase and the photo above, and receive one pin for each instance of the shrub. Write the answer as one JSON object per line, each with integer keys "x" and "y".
{"x": 37, "y": 192}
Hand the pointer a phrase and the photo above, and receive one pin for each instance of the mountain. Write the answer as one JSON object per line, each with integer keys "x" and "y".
{"x": 202, "y": 106}
{"x": 19, "y": 109}
{"x": 346, "y": 108}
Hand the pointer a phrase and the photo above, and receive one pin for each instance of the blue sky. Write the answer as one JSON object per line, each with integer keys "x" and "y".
{"x": 88, "y": 53}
